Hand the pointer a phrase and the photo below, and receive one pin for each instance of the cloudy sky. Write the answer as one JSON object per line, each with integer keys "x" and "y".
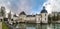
{"x": 30, "y": 6}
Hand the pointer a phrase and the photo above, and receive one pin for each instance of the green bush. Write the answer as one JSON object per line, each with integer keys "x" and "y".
{"x": 4, "y": 26}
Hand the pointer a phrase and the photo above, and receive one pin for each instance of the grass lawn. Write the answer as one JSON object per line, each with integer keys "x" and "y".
{"x": 4, "y": 26}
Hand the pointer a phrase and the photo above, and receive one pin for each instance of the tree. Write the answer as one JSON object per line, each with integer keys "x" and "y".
{"x": 55, "y": 18}
{"x": 3, "y": 11}
{"x": 49, "y": 19}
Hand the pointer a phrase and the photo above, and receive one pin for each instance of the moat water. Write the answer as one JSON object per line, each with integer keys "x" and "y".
{"x": 38, "y": 26}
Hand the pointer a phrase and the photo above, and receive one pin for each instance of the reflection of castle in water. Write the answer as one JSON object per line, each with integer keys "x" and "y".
{"x": 32, "y": 26}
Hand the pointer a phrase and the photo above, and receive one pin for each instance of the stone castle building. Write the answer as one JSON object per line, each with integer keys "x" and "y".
{"x": 23, "y": 17}
{"x": 38, "y": 18}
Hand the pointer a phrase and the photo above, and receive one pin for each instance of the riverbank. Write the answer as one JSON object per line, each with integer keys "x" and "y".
{"x": 0, "y": 25}
{"x": 4, "y": 25}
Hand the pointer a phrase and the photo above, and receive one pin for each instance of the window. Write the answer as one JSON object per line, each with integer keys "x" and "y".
{"x": 45, "y": 18}
{"x": 45, "y": 14}
{"x": 11, "y": 19}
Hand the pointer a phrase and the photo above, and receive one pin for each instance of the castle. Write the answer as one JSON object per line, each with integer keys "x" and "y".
{"x": 23, "y": 17}
{"x": 38, "y": 18}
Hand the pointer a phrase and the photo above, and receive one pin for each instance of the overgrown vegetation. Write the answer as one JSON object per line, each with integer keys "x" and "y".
{"x": 4, "y": 26}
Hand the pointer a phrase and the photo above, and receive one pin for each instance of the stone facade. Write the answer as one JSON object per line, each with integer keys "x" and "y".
{"x": 38, "y": 18}
{"x": 44, "y": 17}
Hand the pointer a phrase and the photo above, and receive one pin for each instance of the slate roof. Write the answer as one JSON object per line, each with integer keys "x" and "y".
{"x": 22, "y": 13}
{"x": 44, "y": 10}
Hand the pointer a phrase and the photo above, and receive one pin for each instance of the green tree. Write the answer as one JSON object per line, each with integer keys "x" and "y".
{"x": 49, "y": 19}
{"x": 3, "y": 11}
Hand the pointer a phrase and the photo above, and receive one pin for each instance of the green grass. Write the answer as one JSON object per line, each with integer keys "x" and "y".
{"x": 4, "y": 26}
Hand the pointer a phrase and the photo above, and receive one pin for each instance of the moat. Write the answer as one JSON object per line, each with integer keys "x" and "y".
{"x": 38, "y": 26}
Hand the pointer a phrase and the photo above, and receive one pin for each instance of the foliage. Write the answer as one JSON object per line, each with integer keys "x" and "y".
{"x": 4, "y": 26}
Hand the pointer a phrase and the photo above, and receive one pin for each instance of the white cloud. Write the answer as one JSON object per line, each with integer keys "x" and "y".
{"x": 52, "y": 5}
{"x": 25, "y": 5}
{"x": 6, "y": 4}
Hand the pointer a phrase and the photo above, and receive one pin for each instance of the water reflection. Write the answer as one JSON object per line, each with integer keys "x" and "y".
{"x": 38, "y": 26}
